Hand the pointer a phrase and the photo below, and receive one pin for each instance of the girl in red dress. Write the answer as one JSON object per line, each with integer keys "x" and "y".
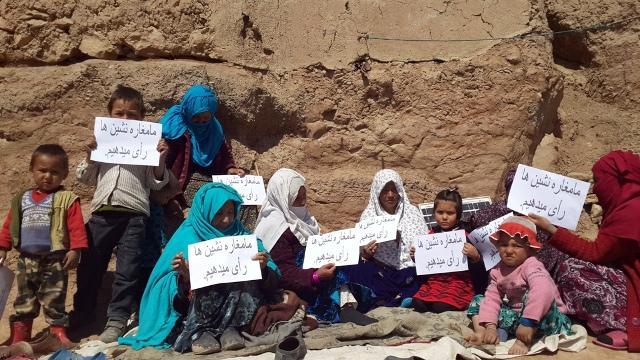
{"x": 449, "y": 291}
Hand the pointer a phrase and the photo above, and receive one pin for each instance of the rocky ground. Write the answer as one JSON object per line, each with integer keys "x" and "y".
{"x": 309, "y": 86}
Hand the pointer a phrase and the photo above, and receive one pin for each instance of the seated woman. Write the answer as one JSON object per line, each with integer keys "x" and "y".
{"x": 387, "y": 268}
{"x": 197, "y": 149}
{"x": 285, "y": 224}
{"x": 617, "y": 184}
{"x": 595, "y": 294}
{"x": 168, "y": 317}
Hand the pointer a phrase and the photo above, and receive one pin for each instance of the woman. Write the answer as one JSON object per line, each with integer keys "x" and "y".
{"x": 594, "y": 294}
{"x": 197, "y": 149}
{"x": 617, "y": 185}
{"x": 387, "y": 268}
{"x": 285, "y": 224}
{"x": 211, "y": 312}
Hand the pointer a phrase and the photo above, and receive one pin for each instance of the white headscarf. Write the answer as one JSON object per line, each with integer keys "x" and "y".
{"x": 410, "y": 222}
{"x": 278, "y": 214}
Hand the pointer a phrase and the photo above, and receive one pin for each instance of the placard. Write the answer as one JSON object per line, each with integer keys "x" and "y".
{"x": 380, "y": 228}
{"x": 130, "y": 142}
{"x": 440, "y": 253}
{"x": 556, "y": 197}
{"x": 340, "y": 247}
{"x": 480, "y": 239}
{"x": 250, "y": 187}
{"x": 223, "y": 260}
{"x": 6, "y": 282}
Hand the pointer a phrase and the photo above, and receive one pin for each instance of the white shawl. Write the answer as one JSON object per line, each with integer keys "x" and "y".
{"x": 410, "y": 224}
{"x": 277, "y": 214}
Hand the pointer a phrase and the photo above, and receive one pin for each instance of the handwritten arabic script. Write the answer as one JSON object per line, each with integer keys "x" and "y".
{"x": 440, "y": 253}
{"x": 340, "y": 247}
{"x": 379, "y": 228}
{"x": 223, "y": 260}
{"x": 480, "y": 239}
{"x": 126, "y": 141}
{"x": 556, "y": 197}
{"x": 250, "y": 187}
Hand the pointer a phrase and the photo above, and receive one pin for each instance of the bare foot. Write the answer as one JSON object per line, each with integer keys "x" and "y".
{"x": 476, "y": 337}
{"x": 519, "y": 348}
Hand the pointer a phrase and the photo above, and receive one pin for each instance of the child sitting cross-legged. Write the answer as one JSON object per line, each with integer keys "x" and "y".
{"x": 521, "y": 299}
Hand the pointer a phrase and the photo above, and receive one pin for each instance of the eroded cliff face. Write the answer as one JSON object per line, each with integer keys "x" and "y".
{"x": 308, "y": 85}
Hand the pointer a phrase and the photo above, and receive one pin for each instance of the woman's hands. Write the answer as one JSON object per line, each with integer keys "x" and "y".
{"x": 543, "y": 223}
{"x": 263, "y": 258}
{"x": 181, "y": 266}
{"x": 369, "y": 250}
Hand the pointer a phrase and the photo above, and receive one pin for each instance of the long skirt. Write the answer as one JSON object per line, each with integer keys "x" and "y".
{"x": 389, "y": 286}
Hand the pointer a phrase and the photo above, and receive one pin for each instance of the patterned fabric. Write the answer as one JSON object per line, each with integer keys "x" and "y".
{"x": 218, "y": 307}
{"x": 389, "y": 286}
{"x": 41, "y": 282}
{"x": 410, "y": 224}
{"x": 593, "y": 294}
{"x": 326, "y": 305}
{"x": 35, "y": 228}
{"x": 120, "y": 185}
{"x": 278, "y": 213}
{"x": 554, "y": 322}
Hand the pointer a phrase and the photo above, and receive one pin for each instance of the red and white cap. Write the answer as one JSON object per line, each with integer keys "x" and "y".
{"x": 518, "y": 225}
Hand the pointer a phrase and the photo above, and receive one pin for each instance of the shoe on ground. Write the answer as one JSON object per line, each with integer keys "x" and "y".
{"x": 112, "y": 332}
{"x": 231, "y": 340}
{"x": 205, "y": 344}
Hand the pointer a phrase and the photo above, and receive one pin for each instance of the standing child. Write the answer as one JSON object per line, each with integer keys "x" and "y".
{"x": 449, "y": 291}
{"x": 521, "y": 299}
{"x": 120, "y": 211}
{"x": 45, "y": 225}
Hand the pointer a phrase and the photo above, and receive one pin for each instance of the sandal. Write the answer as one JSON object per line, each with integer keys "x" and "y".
{"x": 614, "y": 340}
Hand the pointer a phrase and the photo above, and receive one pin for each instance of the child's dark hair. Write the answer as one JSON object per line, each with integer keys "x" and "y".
{"x": 51, "y": 150}
{"x": 450, "y": 194}
{"x": 126, "y": 93}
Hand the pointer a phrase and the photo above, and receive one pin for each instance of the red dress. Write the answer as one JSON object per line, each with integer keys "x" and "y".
{"x": 455, "y": 289}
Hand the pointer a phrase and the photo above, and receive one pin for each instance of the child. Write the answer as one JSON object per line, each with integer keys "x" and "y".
{"x": 45, "y": 225}
{"x": 449, "y": 291}
{"x": 120, "y": 211}
{"x": 521, "y": 299}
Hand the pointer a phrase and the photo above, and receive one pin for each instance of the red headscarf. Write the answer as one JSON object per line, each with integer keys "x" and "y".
{"x": 617, "y": 185}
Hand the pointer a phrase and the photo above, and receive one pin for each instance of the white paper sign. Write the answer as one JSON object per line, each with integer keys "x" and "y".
{"x": 6, "y": 282}
{"x": 556, "y": 197}
{"x": 340, "y": 247}
{"x": 380, "y": 228}
{"x": 129, "y": 142}
{"x": 223, "y": 260}
{"x": 250, "y": 187}
{"x": 480, "y": 239}
{"x": 440, "y": 253}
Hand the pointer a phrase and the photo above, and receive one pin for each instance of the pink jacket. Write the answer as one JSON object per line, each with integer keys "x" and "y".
{"x": 514, "y": 283}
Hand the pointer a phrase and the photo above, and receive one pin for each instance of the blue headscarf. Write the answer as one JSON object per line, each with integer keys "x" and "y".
{"x": 157, "y": 315}
{"x": 206, "y": 138}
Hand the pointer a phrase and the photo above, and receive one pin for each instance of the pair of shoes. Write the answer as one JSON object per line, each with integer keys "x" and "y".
{"x": 231, "y": 340}
{"x": 291, "y": 348}
{"x": 112, "y": 332}
{"x": 614, "y": 340}
{"x": 20, "y": 331}
{"x": 60, "y": 332}
{"x": 205, "y": 344}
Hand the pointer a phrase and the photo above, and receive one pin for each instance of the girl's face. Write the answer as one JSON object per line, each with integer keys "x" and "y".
{"x": 301, "y": 199}
{"x": 446, "y": 214}
{"x": 513, "y": 250}
{"x": 201, "y": 118}
{"x": 389, "y": 197}
{"x": 224, "y": 217}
